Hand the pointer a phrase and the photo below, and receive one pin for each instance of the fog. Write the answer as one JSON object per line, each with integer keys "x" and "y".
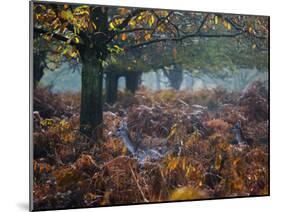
{"x": 65, "y": 79}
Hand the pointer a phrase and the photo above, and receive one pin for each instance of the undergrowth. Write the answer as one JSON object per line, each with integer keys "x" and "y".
{"x": 194, "y": 127}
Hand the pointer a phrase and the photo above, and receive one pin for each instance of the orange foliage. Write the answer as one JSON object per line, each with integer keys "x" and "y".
{"x": 191, "y": 129}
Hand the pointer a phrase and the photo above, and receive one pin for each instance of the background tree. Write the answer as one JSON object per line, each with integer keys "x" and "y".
{"x": 91, "y": 33}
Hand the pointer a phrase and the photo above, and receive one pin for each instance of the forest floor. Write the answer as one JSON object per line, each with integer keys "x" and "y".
{"x": 191, "y": 129}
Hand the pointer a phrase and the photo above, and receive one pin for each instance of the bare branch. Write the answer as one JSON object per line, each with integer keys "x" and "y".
{"x": 202, "y": 23}
{"x": 242, "y": 28}
{"x": 197, "y": 34}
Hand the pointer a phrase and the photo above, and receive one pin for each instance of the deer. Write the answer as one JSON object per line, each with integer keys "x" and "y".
{"x": 133, "y": 146}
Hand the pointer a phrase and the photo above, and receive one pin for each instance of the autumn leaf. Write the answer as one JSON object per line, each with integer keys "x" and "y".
{"x": 132, "y": 23}
{"x": 94, "y": 25}
{"x": 250, "y": 30}
{"x": 67, "y": 15}
{"x": 118, "y": 49}
{"x": 228, "y": 26}
{"x": 147, "y": 36}
{"x": 172, "y": 165}
{"x": 82, "y": 10}
{"x": 76, "y": 39}
{"x": 123, "y": 36}
{"x": 216, "y": 19}
{"x": 151, "y": 20}
{"x": 111, "y": 26}
{"x": 225, "y": 24}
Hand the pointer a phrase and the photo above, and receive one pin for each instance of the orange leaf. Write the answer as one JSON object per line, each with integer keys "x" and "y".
{"x": 123, "y": 37}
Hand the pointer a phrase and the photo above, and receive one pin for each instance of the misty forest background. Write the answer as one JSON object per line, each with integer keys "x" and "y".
{"x": 137, "y": 105}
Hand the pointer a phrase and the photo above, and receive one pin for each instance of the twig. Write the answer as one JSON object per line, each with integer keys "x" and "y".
{"x": 114, "y": 159}
{"x": 135, "y": 178}
{"x": 183, "y": 102}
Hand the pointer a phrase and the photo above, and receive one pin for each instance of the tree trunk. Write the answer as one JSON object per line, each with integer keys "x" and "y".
{"x": 111, "y": 87}
{"x": 175, "y": 76}
{"x": 132, "y": 81}
{"x": 91, "y": 97}
{"x": 92, "y": 55}
{"x": 158, "y": 82}
{"x": 38, "y": 69}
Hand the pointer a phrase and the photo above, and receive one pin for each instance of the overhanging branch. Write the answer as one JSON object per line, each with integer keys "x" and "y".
{"x": 129, "y": 17}
{"x": 197, "y": 34}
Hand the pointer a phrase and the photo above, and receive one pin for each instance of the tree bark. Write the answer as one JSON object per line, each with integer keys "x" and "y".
{"x": 92, "y": 55}
{"x": 175, "y": 76}
{"x": 91, "y": 96}
{"x": 111, "y": 87}
{"x": 38, "y": 69}
{"x": 158, "y": 82}
{"x": 132, "y": 81}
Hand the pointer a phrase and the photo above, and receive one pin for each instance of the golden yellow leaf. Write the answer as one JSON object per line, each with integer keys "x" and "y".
{"x": 76, "y": 40}
{"x": 124, "y": 150}
{"x": 151, "y": 20}
{"x": 165, "y": 13}
{"x": 94, "y": 26}
{"x": 173, "y": 163}
{"x": 216, "y": 19}
{"x": 118, "y": 21}
{"x": 228, "y": 26}
{"x": 187, "y": 171}
{"x": 67, "y": 15}
{"x": 111, "y": 26}
{"x": 225, "y": 23}
{"x": 132, "y": 23}
{"x": 73, "y": 54}
{"x": 250, "y": 30}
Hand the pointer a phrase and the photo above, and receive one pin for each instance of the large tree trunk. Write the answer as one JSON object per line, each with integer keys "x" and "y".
{"x": 133, "y": 80}
{"x": 111, "y": 87}
{"x": 38, "y": 68}
{"x": 92, "y": 76}
{"x": 91, "y": 96}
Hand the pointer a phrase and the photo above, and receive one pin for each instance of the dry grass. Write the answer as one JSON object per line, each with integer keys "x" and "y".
{"x": 200, "y": 162}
